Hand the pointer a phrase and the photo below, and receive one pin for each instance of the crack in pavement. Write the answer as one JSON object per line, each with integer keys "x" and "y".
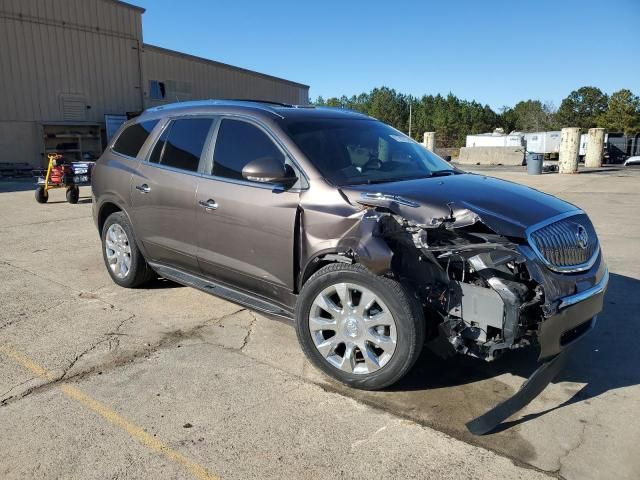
{"x": 79, "y": 293}
{"x": 47, "y": 279}
{"x": 169, "y": 339}
{"x": 44, "y": 222}
{"x": 26, "y": 315}
{"x": 110, "y": 336}
{"x": 9, "y": 323}
{"x": 245, "y": 341}
{"x": 16, "y": 386}
{"x": 582, "y": 437}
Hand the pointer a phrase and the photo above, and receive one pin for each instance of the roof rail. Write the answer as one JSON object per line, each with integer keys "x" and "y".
{"x": 253, "y": 100}
{"x": 258, "y": 104}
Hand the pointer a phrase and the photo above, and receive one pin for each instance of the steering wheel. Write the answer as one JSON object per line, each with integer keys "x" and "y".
{"x": 373, "y": 163}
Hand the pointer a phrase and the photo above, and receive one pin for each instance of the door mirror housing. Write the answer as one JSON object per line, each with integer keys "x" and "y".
{"x": 269, "y": 170}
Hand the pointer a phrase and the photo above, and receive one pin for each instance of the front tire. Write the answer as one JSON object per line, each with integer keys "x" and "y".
{"x": 364, "y": 330}
{"x": 122, "y": 257}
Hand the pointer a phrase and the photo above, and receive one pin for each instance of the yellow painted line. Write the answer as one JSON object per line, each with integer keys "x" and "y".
{"x": 112, "y": 416}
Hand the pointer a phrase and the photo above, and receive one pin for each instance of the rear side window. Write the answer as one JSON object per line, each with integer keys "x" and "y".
{"x": 133, "y": 137}
{"x": 239, "y": 143}
{"x": 181, "y": 143}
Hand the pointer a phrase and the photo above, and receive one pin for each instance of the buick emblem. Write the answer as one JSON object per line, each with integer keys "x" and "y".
{"x": 582, "y": 237}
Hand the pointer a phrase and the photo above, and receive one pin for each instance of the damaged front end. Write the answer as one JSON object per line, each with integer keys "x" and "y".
{"x": 473, "y": 281}
{"x": 486, "y": 289}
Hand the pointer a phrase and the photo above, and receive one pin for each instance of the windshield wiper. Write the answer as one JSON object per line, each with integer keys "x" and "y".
{"x": 443, "y": 173}
{"x": 437, "y": 173}
{"x": 393, "y": 179}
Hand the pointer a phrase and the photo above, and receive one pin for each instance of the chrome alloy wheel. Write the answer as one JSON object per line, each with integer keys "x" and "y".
{"x": 352, "y": 328}
{"x": 118, "y": 251}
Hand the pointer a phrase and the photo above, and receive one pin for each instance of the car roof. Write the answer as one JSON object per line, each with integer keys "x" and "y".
{"x": 255, "y": 107}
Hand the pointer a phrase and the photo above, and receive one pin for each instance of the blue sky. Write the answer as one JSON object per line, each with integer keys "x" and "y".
{"x": 495, "y": 52}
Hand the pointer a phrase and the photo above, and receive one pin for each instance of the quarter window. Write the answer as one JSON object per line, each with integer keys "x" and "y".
{"x": 181, "y": 143}
{"x": 238, "y": 144}
{"x": 133, "y": 137}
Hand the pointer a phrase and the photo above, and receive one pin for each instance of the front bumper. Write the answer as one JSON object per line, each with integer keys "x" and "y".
{"x": 575, "y": 316}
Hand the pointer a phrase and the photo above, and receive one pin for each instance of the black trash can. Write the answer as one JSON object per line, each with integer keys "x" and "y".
{"x": 534, "y": 163}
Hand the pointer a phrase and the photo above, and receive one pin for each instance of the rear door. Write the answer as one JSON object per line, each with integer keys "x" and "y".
{"x": 246, "y": 229}
{"x": 164, "y": 192}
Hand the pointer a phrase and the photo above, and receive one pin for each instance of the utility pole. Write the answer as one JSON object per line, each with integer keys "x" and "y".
{"x": 410, "y": 116}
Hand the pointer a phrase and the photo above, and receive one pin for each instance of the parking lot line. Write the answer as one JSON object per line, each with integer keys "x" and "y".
{"x": 111, "y": 416}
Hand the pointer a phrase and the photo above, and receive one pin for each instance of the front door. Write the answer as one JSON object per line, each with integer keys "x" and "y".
{"x": 246, "y": 229}
{"x": 164, "y": 193}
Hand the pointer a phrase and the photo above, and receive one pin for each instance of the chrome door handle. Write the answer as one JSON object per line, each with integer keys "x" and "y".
{"x": 209, "y": 204}
{"x": 144, "y": 188}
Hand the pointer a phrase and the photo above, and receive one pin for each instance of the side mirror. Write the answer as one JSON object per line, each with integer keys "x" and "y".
{"x": 269, "y": 170}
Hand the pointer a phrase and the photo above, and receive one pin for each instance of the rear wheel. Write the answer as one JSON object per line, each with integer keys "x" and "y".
{"x": 73, "y": 195}
{"x": 41, "y": 194}
{"x": 122, "y": 257}
{"x": 361, "y": 329}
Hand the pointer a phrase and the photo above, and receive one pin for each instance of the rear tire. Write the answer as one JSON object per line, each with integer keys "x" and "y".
{"x": 368, "y": 345}
{"x": 122, "y": 257}
{"x": 73, "y": 195}
{"x": 42, "y": 196}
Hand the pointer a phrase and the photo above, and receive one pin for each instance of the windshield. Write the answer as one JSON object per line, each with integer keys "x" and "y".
{"x": 362, "y": 151}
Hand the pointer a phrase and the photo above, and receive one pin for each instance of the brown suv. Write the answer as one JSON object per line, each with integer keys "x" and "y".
{"x": 372, "y": 244}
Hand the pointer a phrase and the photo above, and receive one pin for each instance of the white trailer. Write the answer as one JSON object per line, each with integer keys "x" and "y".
{"x": 494, "y": 140}
{"x": 543, "y": 142}
{"x": 583, "y": 143}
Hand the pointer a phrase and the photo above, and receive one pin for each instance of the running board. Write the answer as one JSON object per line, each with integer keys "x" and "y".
{"x": 220, "y": 290}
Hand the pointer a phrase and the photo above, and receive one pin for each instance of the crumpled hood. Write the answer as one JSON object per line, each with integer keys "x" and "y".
{"x": 507, "y": 208}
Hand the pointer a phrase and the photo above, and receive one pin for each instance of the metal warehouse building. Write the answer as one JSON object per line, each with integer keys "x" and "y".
{"x": 72, "y": 70}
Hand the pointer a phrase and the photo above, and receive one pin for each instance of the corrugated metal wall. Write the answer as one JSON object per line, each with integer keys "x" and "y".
{"x": 77, "y": 60}
{"x": 191, "y": 78}
{"x": 84, "y": 48}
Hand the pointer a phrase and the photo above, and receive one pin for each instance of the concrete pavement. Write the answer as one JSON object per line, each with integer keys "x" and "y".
{"x": 98, "y": 381}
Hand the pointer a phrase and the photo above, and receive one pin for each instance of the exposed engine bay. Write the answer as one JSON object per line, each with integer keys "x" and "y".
{"x": 473, "y": 281}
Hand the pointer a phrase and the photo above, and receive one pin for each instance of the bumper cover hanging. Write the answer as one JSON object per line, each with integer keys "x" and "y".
{"x": 530, "y": 389}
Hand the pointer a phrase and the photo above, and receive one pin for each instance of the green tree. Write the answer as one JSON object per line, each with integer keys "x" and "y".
{"x": 387, "y": 105}
{"x": 533, "y": 116}
{"x": 622, "y": 114}
{"x": 582, "y": 108}
{"x": 333, "y": 102}
{"x": 507, "y": 119}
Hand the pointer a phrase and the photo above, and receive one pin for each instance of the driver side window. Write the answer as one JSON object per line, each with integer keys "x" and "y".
{"x": 239, "y": 143}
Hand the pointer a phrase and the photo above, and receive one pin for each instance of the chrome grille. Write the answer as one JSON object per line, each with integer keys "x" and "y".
{"x": 569, "y": 244}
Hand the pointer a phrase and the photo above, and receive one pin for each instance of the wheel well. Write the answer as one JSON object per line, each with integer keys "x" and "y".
{"x": 319, "y": 262}
{"x": 106, "y": 210}
{"x": 311, "y": 269}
